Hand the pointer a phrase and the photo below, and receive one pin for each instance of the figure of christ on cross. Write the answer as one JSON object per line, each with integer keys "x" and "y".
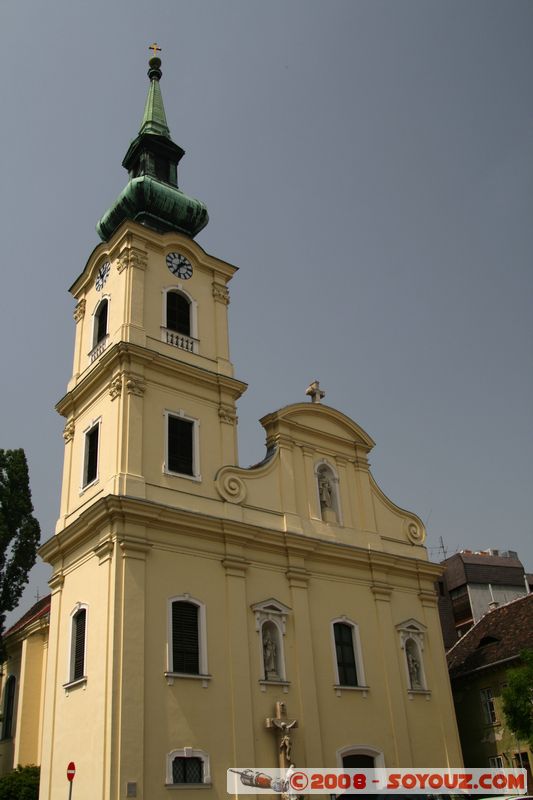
{"x": 283, "y": 726}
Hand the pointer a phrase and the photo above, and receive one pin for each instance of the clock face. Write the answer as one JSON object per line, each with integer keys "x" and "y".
{"x": 102, "y": 276}
{"x": 179, "y": 266}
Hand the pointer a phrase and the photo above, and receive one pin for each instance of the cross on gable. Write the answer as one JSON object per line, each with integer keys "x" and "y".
{"x": 315, "y": 392}
{"x": 155, "y": 48}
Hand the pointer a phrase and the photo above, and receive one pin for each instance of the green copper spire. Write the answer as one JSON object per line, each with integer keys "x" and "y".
{"x": 152, "y": 196}
{"x": 154, "y": 118}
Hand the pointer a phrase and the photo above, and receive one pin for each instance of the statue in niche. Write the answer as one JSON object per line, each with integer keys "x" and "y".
{"x": 413, "y": 665}
{"x": 325, "y": 491}
{"x": 270, "y": 656}
{"x": 326, "y": 494}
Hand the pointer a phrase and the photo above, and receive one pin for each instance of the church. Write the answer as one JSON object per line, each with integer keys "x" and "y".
{"x": 206, "y": 616}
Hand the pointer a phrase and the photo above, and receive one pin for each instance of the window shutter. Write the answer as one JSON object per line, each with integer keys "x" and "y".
{"x": 9, "y": 707}
{"x": 78, "y": 643}
{"x": 345, "y": 654}
{"x": 180, "y": 452}
{"x": 185, "y": 651}
{"x": 178, "y": 313}
{"x": 92, "y": 454}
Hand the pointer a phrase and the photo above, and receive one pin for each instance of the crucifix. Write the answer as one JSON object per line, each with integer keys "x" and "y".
{"x": 315, "y": 392}
{"x": 283, "y": 726}
{"x": 155, "y": 48}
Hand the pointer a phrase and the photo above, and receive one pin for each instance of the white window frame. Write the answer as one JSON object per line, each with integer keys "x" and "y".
{"x": 496, "y": 762}
{"x": 358, "y": 655}
{"x": 94, "y": 326}
{"x": 488, "y": 705}
{"x": 196, "y": 476}
{"x": 203, "y": 675}
{"x": 337, "y": 508}
{"x": 95, "y": 423}
{"x": 72, "y": 647}
{"x": 189, "y": 752}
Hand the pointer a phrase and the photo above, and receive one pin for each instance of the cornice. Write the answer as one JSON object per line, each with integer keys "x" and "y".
{"x": 129, "y": 234}
{"x": 123, "y": 355}
{"x": 115, "y": 512}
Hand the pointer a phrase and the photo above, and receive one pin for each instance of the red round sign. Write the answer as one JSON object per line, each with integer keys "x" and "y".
{"x": 71, "y": 771}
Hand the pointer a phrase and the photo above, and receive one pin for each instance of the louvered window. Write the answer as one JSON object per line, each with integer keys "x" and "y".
{"x": 9, "y": 707}
{"x": 180, "y": 445}
{"x": 101, "y": 322}
{"x": 185, "y": 644}
{"x": 344, "y": 649}
{"x": 178, "y": 313}
{"x": 91, "y": 455}
{"x": 187, "y": 770}
{"x": 78, "y": 644}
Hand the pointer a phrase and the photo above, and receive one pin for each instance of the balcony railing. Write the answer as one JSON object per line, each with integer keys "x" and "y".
{"x": 99, "y": 348}
{"x": 179, "y": 340}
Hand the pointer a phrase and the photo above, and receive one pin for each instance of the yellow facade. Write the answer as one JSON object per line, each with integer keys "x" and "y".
{"x": 21, "y": 723}
{"x": 246, "y": 546}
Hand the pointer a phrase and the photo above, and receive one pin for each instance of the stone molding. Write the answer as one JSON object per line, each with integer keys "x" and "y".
{"x": 79, "y": 310}
{"x": 68, "y": 431}
{"x": 132, "y": 257}
{"x": 221, "y": 294}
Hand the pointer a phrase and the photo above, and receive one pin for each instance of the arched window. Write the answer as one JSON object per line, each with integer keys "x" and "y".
{"x": 178, "y": 313}
{"x": 188, "y": 766}
{"x": 359, "y": 757}
{"x": 100, "y": 322}
{"x": 9, "y": 707}
{"x": 187, "y": 637}
{"x": 328, "y": 493}
{"x": 179, "y": 327}
{"x": 348, "y": 662}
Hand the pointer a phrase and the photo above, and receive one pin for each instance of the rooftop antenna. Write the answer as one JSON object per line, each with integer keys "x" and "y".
{"x": 442, "y": 548}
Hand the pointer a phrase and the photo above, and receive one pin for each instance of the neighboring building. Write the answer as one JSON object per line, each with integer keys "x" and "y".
{"x": 475, "y": 582}
{"x": 22, "y": 687}
{"x": 199, "y": 607}
{"x": 478, "y": 665}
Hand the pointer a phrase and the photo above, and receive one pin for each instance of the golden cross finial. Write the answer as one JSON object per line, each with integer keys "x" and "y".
{"x": 154, "y": 47}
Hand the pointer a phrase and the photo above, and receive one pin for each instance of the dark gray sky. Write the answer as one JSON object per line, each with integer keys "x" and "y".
{"x": 367, "y": 164}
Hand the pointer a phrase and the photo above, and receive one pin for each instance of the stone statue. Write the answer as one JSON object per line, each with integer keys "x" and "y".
{"x": 285, "y": 744}
{"x": 270, "y": 652}
{"x": 414, "y": 670}
{"x": 325, "y": 491}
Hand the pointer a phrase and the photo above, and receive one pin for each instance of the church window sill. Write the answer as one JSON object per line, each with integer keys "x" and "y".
{"x": 284, "y": 684}
{"x": 419, "y": 692}
{"x": 74, "y": 684}
{"x": 188, "y": 785}
{"x": 340, "y": 689}
{"x": 171, "y": 676}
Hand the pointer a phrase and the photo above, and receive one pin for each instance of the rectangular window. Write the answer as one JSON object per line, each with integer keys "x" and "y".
{"x": 187, "y": 770}
{"x": 185, "y": 644}
{"x": 487, "y": 702}
{"x": 180, "y": 450}
{"x": 496, "y": 762}
{"x": 344, "y": 649}
{"x": 90, "y": 472}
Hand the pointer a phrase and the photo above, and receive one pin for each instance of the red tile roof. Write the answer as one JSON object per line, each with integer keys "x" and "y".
{"x": 498, "y": 636}
{"x": 39, "y": 609}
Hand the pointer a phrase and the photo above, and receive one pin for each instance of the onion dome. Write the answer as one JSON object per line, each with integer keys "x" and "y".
{"x": 152, "y": 197}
